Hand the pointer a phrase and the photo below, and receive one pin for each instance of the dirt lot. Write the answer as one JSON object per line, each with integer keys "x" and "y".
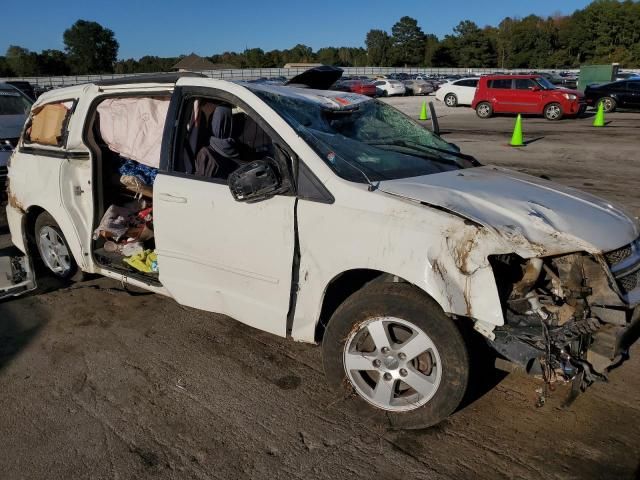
{"x": 96, "y": 383}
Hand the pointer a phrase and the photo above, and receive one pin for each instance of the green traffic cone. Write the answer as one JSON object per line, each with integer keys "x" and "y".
{"x": 516, "y": 138}
{"x": 423, "y": 113}
{"x": 599, "y": 120}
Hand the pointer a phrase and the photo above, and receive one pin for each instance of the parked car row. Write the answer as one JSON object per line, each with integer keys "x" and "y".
{"x": 363, "y": 87}
{"x": 383, "y": 87}
{"x": 536, "y": 94}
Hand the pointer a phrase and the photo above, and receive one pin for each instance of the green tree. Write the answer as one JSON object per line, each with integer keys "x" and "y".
{"x": 90, "y": 47}
{"x": 5, "y": 70}
{"x": 52, "y": 62}
{"x": 255, "y": 58}
{"x": 21, "y": 61}
{"x": 431, "y": 44}
{"x": 149, "y": 64}
{"x": 407, "y": 40}
{"x": 378, "y": 44}
{"x": 299, "y": 54}
{"x": 328, "y": 56}
{"x": 445, "y": 54}
{"x": 127, "y": 66}
{"x": 474, "y": 46}
{"x": 273, "y": 58}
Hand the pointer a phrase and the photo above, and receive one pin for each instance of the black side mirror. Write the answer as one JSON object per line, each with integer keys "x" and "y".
{"x": 255, "y": 181}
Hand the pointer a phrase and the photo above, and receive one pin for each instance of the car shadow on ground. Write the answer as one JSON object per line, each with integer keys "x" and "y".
{"x": 483, "y": 374}
{"x": 20, "y": 323}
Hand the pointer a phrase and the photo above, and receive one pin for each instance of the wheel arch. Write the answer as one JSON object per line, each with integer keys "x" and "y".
{"x": 29, "y": 224}
{"x": 551, "y": 102}
{"x": 345, "y": 284}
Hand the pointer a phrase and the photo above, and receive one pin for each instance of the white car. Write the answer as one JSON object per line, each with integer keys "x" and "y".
{"x": 325, "y": 217}
{"x": 14, "y": 107}
{"x": 390, "y": 87}
{"x": 458, "y": 92}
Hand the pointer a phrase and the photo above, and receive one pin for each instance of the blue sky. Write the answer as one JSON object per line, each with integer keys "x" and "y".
{"x": 170, "y": 28}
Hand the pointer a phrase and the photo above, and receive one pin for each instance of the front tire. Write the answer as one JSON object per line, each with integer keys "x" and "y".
{"x": 451, "y": 100}
{"x": 395, "y": 357}
{"x": 608, "y": 104}
{"x": 53, "y": 248}
{"x": 553, "y": 112}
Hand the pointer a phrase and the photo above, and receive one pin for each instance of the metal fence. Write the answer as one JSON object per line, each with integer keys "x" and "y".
{"x": 255, "y": 73}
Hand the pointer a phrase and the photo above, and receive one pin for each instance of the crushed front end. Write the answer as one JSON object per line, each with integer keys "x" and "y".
{"x": 569, "y": 317}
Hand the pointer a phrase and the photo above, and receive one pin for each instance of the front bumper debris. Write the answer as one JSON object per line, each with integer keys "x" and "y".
{"x": 571, "y": 317}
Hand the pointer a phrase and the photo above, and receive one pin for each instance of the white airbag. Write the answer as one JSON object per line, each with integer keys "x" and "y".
{"x": 133, "y": 127}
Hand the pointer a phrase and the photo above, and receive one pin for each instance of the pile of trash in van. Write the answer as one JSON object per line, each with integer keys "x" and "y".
{"x": 128, "y": 232}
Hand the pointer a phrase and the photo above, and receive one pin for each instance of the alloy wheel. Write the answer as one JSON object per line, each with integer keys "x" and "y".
{"x": 392, "y": 364}
{"x": 553, "y": 112}
{"x": 54, "y": 251}
{"x": 484, "y": 110}
{"x": 607, "y": 104}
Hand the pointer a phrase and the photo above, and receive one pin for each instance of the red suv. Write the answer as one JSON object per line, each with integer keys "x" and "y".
{"x": 532, "y": 94}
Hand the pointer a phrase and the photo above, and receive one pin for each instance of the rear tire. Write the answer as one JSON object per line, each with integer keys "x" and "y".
{"x": 451, "y": 100}
{"x": 609, "y": 104}
{"x": 411, "y": 372}
{"x": 553, "y": 112}
{"x": 484, "y": 110}
{"x": 54, "y": 249}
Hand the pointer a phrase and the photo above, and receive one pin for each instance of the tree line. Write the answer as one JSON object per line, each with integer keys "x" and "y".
{"x": 605, "y": 31}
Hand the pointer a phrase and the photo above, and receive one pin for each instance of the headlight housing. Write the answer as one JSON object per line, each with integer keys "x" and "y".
{"x": 570, "y": 96}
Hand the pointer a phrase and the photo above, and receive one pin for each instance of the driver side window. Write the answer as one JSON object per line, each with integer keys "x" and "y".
{"x": 215, "y": 138}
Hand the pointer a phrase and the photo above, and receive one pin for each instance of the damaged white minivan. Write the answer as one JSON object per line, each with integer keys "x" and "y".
{"x": 326, "y": 217}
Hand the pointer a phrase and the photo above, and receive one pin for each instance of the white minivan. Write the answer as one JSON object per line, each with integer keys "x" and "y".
{"x": 326, "y": 217}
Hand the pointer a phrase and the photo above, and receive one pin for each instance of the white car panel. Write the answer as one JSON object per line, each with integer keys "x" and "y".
{"x": 391, "y": 87}
{"x": 225, "y": 256}
{"x": 464, "y": 94}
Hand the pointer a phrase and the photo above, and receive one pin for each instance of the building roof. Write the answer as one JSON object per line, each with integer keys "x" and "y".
{"x": 194, "y": 62}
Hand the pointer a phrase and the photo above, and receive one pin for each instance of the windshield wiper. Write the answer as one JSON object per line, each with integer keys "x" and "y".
{"x": 425, "y": 148}
{"x": 460, "y": 155}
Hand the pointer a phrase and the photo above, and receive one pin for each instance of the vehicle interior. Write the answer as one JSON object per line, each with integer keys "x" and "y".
{"x": 125, "y": 136}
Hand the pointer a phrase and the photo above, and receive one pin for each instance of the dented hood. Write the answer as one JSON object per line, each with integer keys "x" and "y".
{"x": 533, "y": 216}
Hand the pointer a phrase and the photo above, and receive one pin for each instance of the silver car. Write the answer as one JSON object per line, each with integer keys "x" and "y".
{"x": 14, "y": 107}
{"x": 418, "y": 87}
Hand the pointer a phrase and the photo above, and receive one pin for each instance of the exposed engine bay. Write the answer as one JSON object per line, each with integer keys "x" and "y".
{"x": 570, "y": 317}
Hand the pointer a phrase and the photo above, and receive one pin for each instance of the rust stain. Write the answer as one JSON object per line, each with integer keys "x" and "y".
{"x": 14, "y": 202}
{"x": 466, "y": 295}
{"x": 438, "y": 269}
{"x": 462, "y": 249}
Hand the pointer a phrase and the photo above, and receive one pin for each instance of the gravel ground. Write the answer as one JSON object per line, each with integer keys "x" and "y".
{"x": 96, "y": 383}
